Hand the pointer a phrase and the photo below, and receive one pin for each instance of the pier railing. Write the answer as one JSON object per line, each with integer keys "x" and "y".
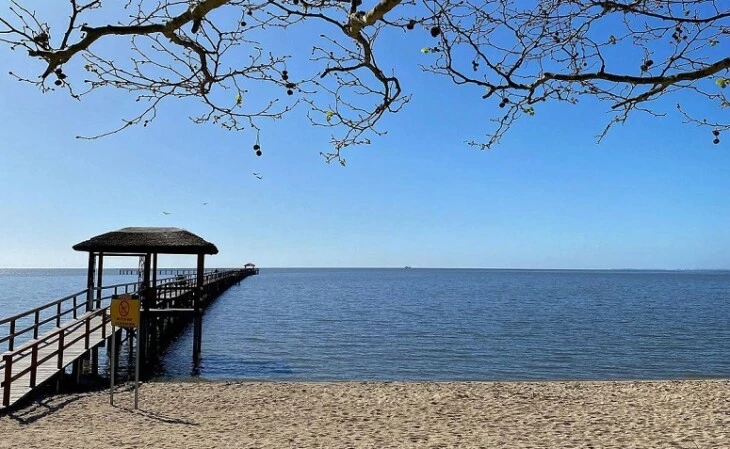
{"x": 162, "y": 271}
{"x": 43, "y": 333}
{"x": 28, "y": 325}
{"x": 50, "y": 346}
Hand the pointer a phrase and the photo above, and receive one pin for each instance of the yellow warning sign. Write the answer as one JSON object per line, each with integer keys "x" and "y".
{"x": 125, "y": 311}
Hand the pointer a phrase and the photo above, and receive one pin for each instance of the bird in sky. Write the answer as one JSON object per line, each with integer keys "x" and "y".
{"x": 205, "y": 204}
{"x": 166, "y": 213}
{"x": 258, "y": 176}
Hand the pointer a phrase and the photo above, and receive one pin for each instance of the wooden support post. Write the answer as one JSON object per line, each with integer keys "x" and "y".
{"x": 89, "y": 284}
{"x": 197, "y": 303}
{"x": 117, "y": 343}
{"x": 154, "y": 276}
{"x": 95, "y": 361}
{"x": 76, "y": 370}
{"x": 144, "y": 330}
{"x": 59, "y": 363}
{"x": 130, "y": 342}
{"x": 146, "y": 280}
{"x": 99, "y": 280}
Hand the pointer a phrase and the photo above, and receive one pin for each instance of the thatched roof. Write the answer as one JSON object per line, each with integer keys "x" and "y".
{"x": 148, "y": 240}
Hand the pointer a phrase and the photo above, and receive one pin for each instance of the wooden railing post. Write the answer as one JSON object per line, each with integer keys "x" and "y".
{"x": 33, "y": 365}
{"x": 35, "y": 325}
{"x": 11, "y": 342}
{"x": 8, "y": 358}
{"x": 60, "y": 350}
{"x": 103, "y": 325}
{"x": 58, "y": 315}
{"x": 88, "y": 332}
{"x": 75, "y": 305}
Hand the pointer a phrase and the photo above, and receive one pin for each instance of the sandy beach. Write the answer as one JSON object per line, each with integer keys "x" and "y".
{"x": 676, "y": 414}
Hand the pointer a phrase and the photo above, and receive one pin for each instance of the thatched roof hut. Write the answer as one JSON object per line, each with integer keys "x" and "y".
{"x": 147, "y": 243}
{"x": 148, "y": 240}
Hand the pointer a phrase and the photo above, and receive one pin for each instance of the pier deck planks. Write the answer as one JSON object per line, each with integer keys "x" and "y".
{"x": 21, "y": 387}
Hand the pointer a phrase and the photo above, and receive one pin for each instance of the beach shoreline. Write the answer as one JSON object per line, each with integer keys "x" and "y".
{"x": 556, "y": 414}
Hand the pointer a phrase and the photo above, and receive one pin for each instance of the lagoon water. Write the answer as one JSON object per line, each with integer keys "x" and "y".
{"x": 442, "y": 324}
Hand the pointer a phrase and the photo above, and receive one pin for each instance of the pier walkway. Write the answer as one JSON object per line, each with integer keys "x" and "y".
{"x": 40, "y": 344}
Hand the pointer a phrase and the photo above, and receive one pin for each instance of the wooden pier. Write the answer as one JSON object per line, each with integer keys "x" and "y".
{"x": 42, "y": 343}
{"x": 159, "y": 271}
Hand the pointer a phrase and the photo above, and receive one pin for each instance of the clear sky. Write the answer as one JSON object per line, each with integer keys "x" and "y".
{"x": 654, "y": 194}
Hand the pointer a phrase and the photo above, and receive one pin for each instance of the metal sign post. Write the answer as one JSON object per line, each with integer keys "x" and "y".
{"x": 125, "y": 313}
{"x": 114, "y": 356}
{"x": 136, "y": 369}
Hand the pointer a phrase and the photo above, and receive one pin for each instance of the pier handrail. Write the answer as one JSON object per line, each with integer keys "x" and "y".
{"x": 78, "y": 327}
{"x": 39, "y": 308}
{"x": 78, "y": 302}
{"x": 24, "y": 350}
{"x": 190, "y": 284}
{"x": 12, "y": 321}
{"x": 100, "y": 296}
{"x": 32, "y": 348}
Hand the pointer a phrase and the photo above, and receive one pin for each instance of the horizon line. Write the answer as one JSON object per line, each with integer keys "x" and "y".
{"x": 388, "y": 268}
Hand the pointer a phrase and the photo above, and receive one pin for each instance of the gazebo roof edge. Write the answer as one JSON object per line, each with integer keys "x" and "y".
{"x": 148, "y": 240}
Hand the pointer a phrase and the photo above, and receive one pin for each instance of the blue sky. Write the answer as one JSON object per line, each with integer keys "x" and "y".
{"x": 654, "y": 194}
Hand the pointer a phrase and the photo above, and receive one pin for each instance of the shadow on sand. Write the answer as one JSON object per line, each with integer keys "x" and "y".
{"x": 154, "y": 416}
{"x": 41, "y": 407}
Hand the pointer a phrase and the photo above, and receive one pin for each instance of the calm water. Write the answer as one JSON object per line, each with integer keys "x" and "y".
{"x": 396, "y": 324}
{"x": 23, "y": 289}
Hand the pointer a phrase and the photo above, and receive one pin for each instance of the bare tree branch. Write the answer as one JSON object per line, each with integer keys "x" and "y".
{"x": 514, "y": 54}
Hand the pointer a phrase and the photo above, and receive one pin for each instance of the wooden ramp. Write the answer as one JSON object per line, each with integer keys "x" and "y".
{"x": 41, "y": 343}
{"x": 39, "y": 360}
